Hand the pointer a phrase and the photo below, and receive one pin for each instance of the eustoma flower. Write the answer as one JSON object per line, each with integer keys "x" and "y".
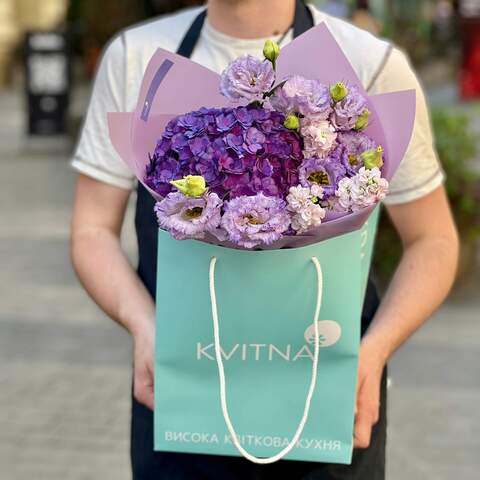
{"x": 303, "y": 96}
{"x": 366, "y": 188}
{"x": 326, "y": 172}
{"x": 253, "y": 220}
{"x": 347, "y": 111}
{"x": 355, "y": 143}
{"x": 303, "y": 202}
{"x": 247, "y": 78}
{"x": 189, "y": 217}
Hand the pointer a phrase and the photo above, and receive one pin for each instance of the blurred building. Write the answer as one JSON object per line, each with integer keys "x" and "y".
{"x": 19, "y": 16}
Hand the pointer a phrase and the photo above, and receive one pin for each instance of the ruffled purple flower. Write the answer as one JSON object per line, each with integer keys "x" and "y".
{"x": 326, "y": 172}
{"x": 355, "y": 144}
{"x": 254, "y": 220}
{"x": 346, "y": 112}
{"x": 247, "y": 78}
{"x": 189, "y": 217}
{"x": 303, "y": 96}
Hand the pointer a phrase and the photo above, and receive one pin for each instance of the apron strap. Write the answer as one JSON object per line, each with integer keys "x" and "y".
{"x": 302, "y": 21}
{"x": 193, "y": 34}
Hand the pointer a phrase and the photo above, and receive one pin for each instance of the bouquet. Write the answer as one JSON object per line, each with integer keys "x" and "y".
{"x": 288, "y": 155}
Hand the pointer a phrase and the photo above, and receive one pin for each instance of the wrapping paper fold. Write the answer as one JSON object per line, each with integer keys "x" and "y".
{"x": 174, "y": 85}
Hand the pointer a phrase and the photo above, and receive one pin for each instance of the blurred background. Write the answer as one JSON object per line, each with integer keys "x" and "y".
{"x": 65, "y": 367}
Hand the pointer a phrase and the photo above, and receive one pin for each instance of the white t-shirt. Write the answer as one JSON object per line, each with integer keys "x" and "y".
{"x": 380, "y": 67}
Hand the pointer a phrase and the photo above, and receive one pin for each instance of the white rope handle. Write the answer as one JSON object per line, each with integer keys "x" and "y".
{"x": 221, "y": 372}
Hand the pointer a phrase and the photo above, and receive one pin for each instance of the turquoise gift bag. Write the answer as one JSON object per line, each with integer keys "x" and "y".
{"x": 238, "y": 370}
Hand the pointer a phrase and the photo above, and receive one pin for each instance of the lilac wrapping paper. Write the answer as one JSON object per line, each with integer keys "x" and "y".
{"x": 173, "y": 85}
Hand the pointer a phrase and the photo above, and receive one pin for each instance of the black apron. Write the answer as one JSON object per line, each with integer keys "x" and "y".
{"x": 148, "y": 464}
{"x": 145, "y": 220}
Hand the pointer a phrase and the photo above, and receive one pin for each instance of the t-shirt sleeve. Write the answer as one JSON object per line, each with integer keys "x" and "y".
{"x": 420, "y": 171}
{"x": 94, "y": 154}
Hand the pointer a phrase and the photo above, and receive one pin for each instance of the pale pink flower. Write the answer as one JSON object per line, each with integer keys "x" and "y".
{"x": 319, "y": 137}
{"x": 303, "y": 203}
{"x": 364, "y": 189}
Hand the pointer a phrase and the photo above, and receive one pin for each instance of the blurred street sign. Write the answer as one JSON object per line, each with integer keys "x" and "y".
{"x": 47, "y": 73}
{"x": 469, "y": 79}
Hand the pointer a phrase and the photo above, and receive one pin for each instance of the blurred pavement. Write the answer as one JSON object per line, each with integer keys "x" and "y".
{"x": 65, "y": 368}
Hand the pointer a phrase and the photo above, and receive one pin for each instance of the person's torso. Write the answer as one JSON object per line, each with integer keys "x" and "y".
{"x": 215, "y": 50}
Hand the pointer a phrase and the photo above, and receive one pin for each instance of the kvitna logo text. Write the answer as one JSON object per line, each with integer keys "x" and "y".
{"x": 329, "y": 334}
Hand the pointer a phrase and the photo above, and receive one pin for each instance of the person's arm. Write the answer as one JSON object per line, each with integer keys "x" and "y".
{"x": 418, "y": 207}
{"x": 421, "y": 282}
{"x": 103, "y": 187}
{"x": 107, "y": 275}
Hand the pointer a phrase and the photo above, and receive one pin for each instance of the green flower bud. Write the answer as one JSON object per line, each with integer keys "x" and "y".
{"x": 271, "y": 50}
{"x": 292, "y": 122}
{"x": 338, "y": 91}
{"x": 373, "y": 158}
{"x": 191, "y": 185}
{"x": 362, "y": 121}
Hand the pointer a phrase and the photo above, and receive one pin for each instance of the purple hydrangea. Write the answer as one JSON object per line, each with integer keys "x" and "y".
{"x": 247, "y": 78}
{"x": 303, "y": 96}
{"x": 355, "y": 144}
{"x": 346, "y": 112}
{"x": 326, "y": 172}
{"x": 189, "y": 217}
{"x": 239, "y": 151}
{"x": 254, "y": 220}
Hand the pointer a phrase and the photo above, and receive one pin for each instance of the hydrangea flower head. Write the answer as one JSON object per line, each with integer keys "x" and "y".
{"x": 238, "y": 151}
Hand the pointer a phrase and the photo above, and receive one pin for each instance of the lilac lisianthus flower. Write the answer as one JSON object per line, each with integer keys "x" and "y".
{"x": 355, "y": 144}
{"x": 366, "y": 188}
{"x": 247, "y": 78}
{"x": 347, "y": 111}
{"x": 326, "y": 172}
{"x": 299, "y": 95}
{"x": 254, "y": 220}
{"x": 189, "y": 217}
